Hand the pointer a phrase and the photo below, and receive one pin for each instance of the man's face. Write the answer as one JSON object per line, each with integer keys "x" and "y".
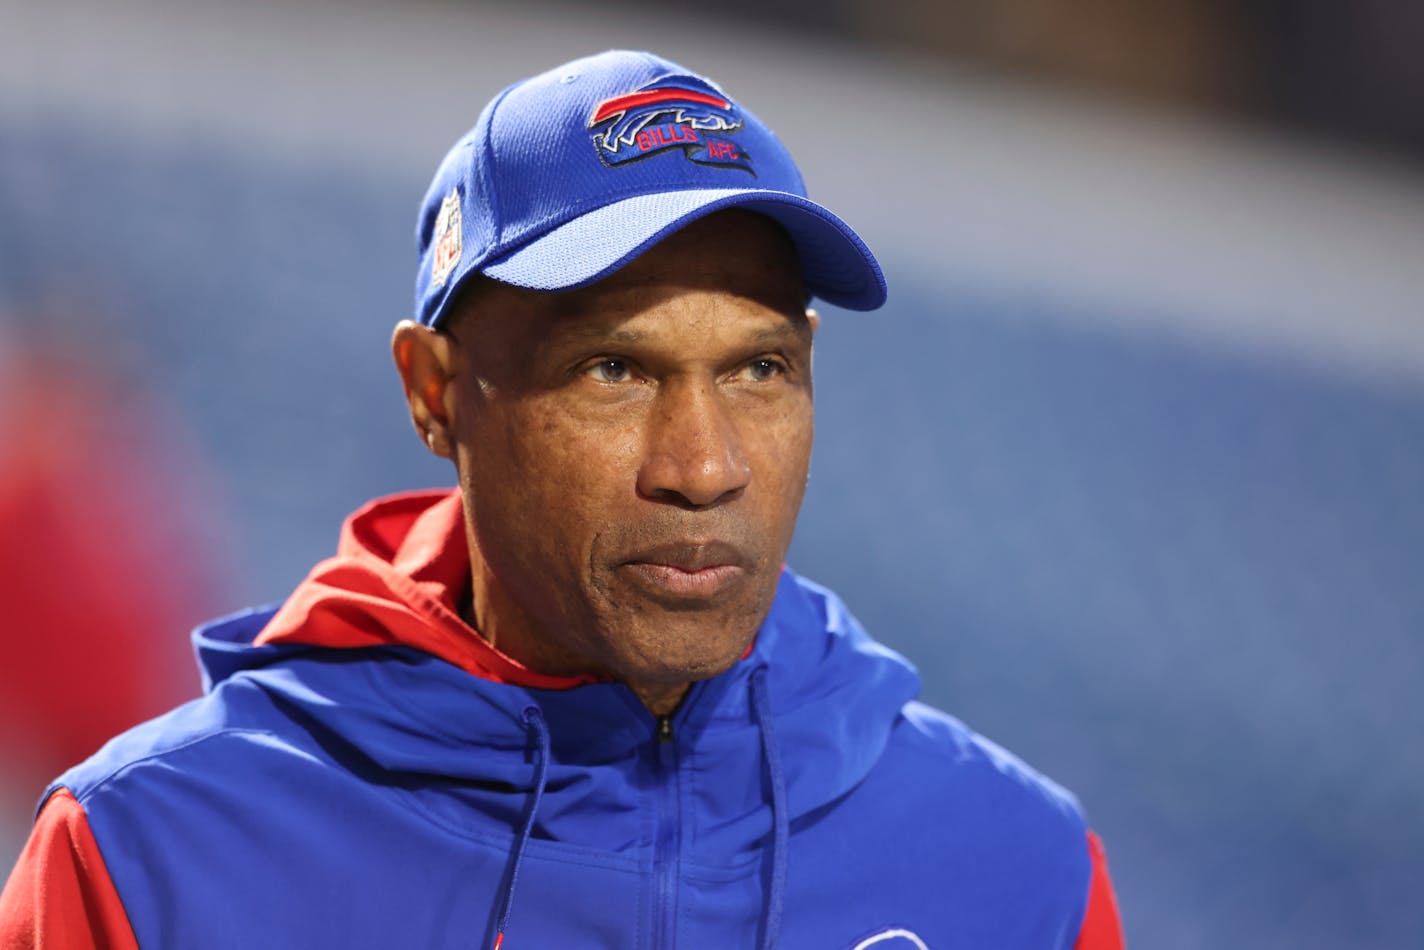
{"x": 632, "y": 455}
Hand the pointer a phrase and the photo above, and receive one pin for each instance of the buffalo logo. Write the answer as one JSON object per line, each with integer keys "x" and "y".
{"x": 673, "y": 113}
{"x": 897, "y": 938}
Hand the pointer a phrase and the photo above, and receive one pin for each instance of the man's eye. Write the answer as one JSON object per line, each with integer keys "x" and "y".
{"x": 762, "y": 370}
{"x": 610, "y": 371}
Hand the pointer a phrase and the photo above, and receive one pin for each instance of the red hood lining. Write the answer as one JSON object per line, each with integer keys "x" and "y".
{"x": 401, "y": 570}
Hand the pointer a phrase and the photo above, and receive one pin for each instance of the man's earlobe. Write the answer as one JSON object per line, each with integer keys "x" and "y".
{"x": 424, "y": 359}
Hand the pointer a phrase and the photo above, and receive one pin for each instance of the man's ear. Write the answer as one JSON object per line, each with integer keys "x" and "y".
{"x": 813, "y": 318}
{"x": 425, "y": 359}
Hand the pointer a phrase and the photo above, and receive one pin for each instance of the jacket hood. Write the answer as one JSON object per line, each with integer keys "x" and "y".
{"x": 371, "y": 654}
{"x": 401, "y": 569}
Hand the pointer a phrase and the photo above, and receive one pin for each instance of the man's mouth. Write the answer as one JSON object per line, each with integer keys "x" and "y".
{"x": 687, "y": 571}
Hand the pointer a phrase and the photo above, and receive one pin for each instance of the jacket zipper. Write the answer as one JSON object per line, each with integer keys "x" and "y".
{"x": 668, "y": 843}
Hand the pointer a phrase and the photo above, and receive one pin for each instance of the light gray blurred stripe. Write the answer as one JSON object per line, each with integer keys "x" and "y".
{"x": 1221, "y": 235}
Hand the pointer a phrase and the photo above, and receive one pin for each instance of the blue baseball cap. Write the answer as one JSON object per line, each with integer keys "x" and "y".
{"x": 568, "y": 176}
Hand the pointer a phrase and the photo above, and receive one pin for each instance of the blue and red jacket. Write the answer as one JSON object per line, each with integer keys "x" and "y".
{"x": 365, "y": 771}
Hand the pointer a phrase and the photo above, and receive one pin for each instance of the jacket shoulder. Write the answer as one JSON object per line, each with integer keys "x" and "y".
{"x": 942, "y": 735}
{"x": 976, "y": 801}
{"x": 152, "y": 747}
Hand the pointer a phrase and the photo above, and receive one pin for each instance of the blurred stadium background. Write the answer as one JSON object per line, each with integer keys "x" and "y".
{"x": 1132, "y": 465}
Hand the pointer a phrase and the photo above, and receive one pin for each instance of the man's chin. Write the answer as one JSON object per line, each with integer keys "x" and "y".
{"x": 684, "y": 650}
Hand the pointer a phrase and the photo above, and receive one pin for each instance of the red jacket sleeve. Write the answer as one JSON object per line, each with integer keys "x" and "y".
{"x": 1101, "y": 928}
{"x": 59, "y": 895}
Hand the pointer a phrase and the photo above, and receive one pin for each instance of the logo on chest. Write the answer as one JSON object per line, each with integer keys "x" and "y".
{"x": 891, "y": 938}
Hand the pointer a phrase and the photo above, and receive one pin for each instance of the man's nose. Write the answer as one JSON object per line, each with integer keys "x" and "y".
{"x": 693, "y": 455}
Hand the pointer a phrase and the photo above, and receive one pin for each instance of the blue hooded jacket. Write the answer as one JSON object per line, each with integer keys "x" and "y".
{"x": 383, "y": 797}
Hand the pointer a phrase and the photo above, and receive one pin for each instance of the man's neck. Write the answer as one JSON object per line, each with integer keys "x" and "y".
{"x": 510, "y": 630}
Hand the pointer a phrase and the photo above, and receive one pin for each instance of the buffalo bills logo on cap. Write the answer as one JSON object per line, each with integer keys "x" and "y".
{"x": 676, "y": 112}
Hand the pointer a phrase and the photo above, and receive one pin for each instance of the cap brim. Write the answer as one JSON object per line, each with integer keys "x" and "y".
{"x": 835, "y": 263}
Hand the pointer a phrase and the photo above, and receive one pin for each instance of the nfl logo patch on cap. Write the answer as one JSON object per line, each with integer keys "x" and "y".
{"x": 448, "y": 241}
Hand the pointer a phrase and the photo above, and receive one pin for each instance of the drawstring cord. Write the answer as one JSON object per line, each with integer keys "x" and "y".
{"x": 534, "y": 722}
{"x": 761, "y": 711}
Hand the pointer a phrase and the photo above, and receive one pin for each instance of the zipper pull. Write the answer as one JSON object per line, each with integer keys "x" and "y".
{"x": 664, "y": 728}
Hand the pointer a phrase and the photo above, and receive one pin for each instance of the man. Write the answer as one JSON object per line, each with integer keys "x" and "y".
{"x": 579, "y": 701}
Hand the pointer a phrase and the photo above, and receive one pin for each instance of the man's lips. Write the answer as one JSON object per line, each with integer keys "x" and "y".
{"x": 698, "y": 570}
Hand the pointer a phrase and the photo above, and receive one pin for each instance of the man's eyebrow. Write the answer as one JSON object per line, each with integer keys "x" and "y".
{"x": 586, "y": 333}
{"x": 781, "y": 333}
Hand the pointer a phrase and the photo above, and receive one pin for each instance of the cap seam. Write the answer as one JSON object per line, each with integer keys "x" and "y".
{"x": 488, "y": 194}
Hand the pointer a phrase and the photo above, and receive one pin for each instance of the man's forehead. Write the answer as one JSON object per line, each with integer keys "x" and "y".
{"x": 626, "y": 330}
{"x": 640, "y": 315}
